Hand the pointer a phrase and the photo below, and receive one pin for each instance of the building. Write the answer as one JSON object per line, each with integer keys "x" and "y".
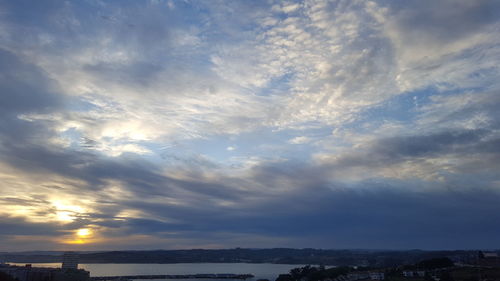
{"x": 489, "y": 255}
{"x": 408, "y": 273}
{"x": 488, "y": 259}
{"x": 29, "y": 273}
{"x": 412, "y": 273}
{"x": 377, "y": 275}
{"x": 70, "y": 260}
{"x": 366, "y": 275}
{"x": 420, "y": 273}
{"x": 358, "y": 276}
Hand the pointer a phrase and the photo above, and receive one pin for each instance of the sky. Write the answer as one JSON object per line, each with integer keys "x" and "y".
{"x": 168, "y": 124}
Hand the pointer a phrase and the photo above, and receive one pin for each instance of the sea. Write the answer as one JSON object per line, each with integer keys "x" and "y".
{"x": 259, "y": 270}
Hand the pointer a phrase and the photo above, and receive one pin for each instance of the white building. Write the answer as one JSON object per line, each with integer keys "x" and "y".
{"x": 490, "y": 255}
{"x": 366, "y": 275}
{"x": 377, "y": 275}
{"x": 408, "y": 274}
{"x": 70, "y": 260}
{"x": 418, "y": 273}
{"x": 358, "y": 276}
{"x": 421, "y": 273}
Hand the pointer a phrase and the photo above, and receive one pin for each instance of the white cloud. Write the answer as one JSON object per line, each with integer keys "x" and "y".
{"x": 325, "y": 66}
{"x": 300, "y": 140}
{"x": 142, "y": 83}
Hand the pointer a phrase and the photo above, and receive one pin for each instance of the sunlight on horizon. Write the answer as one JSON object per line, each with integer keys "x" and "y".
{"x": 82, "y": 236}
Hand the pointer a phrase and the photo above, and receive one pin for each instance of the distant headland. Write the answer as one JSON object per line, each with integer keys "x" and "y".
{"x": 238, "y": 255}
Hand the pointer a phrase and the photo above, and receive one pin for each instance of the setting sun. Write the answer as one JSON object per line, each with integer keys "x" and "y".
{"x": 82, "y": 236}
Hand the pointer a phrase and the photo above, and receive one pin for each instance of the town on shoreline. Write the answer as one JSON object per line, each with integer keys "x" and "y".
{"x": 481, "y": 266}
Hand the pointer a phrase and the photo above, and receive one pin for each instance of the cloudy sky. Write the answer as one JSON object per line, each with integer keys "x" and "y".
{"x": 217, "y": 124}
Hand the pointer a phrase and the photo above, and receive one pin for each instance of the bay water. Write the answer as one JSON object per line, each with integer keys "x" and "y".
{"x": 259, "y": 270}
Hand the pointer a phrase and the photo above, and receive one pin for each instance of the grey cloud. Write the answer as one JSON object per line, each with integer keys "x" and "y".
{"x": 427, "y": 145}
{"x": 443, "y": 21}
{"x": 372, "y": 216}
{"x": 32, "y": 12}
{"x": 19, "y": 226}
{"x": 23, "y": 202}
{"x": 138, "y": 25}
{"x": 121, "y": 45}
{"x": 332, "y": 215}
{"x": 392, "y": 213}
{"x": 395, "y": 150}
{"x": 25, "y": 88}
{"x": 490, "y": 146}
{"x": 141, "y": 178}
{"x": 142, "y": 73}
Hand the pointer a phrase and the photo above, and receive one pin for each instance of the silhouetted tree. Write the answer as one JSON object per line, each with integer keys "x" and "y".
{"x": 446, "y": 276}
{"x": 311, "y": 273}
{"x": 435, "y": 263}
{"x": 5, "y": 277}
{"x": 285, "y": 277}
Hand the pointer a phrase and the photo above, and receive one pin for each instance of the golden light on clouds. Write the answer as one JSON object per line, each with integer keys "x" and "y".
{"x": 82, "y": 236}
{"x": 84, "y": 232}
{"x": 66, "y": 212}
